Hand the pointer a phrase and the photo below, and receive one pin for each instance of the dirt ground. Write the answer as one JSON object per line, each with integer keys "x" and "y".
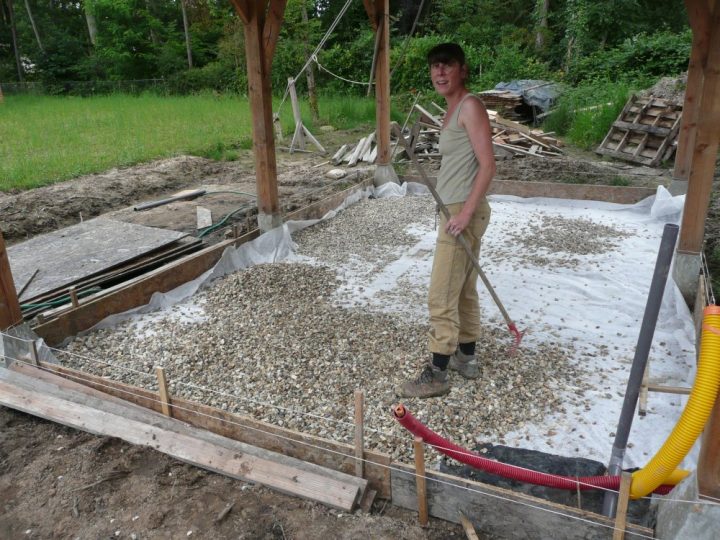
{"x": 59, "y": 483}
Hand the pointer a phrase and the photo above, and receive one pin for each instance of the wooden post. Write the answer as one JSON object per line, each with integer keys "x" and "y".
{"x": 420, "y": 481}
{"x": 379, "y": 13}
{"x": 10, "y": 313}
{"x": 261, "y": 33}
{"x": 163, "y": 391}
{"x": 623, "y": 500}
{"x": 706, "y": 143}
{"x": 699, "y": 16}
{"x": 709, "y": 462}
{"x": 359, "y": 436}
{"x": 299, "y": 135}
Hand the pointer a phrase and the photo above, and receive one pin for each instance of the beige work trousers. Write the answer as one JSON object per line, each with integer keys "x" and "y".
{"x": 453, "y": 297}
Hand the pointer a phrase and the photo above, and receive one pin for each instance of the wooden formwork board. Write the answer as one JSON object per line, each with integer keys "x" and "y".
{"x": 317, "y": 450}
{"x": 490, "y": 508}
{"x": 584, "y": 192}
{"x": 138, "y": 291}
{"x": 644, "y": 132}
{"x": 501, "y": 512}
{"x": 41, "y": 393}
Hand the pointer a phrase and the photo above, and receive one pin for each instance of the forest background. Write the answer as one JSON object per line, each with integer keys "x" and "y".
{"x": 600, "y": 51}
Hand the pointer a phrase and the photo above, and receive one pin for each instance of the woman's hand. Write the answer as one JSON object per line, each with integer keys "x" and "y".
{"x": 457, "y": 224}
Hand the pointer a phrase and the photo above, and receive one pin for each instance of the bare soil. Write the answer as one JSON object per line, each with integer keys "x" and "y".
{"x": 59, "y": 483}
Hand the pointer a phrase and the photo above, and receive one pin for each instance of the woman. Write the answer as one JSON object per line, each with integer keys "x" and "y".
{"x": 466, "y": 170}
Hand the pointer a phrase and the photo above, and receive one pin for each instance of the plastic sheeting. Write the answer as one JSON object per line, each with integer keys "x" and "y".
{"x": 595, "y": 306}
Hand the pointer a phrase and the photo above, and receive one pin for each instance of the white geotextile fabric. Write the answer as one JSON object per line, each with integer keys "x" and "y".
{"x": 598, "y": 303}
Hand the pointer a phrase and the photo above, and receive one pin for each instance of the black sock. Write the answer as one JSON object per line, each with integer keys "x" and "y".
{"x": 441, "y": 361}
{"x": 467, "y": 349}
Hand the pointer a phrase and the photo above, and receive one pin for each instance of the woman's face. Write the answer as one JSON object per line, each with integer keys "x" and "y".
{"x": 447, "y": 78}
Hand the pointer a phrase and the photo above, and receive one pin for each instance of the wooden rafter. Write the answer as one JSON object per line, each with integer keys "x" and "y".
{"x": 371, "y": 9}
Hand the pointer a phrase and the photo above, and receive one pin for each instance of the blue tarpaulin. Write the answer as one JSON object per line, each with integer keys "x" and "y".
{"x": 540, "y": 94}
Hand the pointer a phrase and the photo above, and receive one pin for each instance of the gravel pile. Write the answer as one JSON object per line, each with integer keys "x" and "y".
{"x": 272, "y": 342}
{"x": 555, "y": 241}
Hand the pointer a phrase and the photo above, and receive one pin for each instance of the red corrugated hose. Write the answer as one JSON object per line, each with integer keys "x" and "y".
{"x": 512, "y": 472}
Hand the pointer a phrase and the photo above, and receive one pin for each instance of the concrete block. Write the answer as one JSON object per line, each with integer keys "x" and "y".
{"x": 696, "y": 520}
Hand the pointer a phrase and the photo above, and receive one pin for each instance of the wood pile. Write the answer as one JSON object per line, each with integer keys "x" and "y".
{"x": 508, "y": 104}
{"x": 509, "y": 138}
{"x": 364, "y": 150}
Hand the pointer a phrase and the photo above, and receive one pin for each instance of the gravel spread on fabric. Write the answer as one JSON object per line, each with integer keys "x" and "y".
{"x": 275, "y": 342}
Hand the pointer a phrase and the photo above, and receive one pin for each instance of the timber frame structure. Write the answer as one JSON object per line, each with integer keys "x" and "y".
{"x": 262, "y": 19}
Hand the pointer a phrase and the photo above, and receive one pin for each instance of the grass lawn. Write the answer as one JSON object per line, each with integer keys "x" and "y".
{"x": 47, "y": 139}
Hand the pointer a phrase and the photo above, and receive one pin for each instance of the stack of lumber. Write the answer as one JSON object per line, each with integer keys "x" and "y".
{"x": 645, "y": 132}
{"x": 53, "y": 270}
{"x": 364, "y": 150}
{"x": 36, "y": 391}
{"x": 509, "y": 138}
{"x": 507, "y": 103}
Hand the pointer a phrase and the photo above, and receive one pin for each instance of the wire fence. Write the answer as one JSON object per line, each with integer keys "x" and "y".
{"x": 85, "y": 88}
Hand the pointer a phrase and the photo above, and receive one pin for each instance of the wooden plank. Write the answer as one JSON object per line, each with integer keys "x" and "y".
{"x": 322, "y": 452}
{"x": 583, "y": 192}
{"x": 139, "y": 291}
{"x": 501, "y": 512}
{"x": 10, "y": 313}
{"x": 185, "y": 447}
{"x": 52, "y": 384}
{"x": 660, "y": 131}
{"x": 427, "y": 114}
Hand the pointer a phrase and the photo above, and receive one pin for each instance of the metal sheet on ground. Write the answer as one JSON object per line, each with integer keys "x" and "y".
{"x": 67, "y": 255}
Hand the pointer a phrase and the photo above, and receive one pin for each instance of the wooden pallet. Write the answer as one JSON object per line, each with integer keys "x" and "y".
{"x": 645, "y": 132}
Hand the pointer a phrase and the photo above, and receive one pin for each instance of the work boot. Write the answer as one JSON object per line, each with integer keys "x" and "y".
{"x": 465, "y": 364}
{"x": 431, "y": 382}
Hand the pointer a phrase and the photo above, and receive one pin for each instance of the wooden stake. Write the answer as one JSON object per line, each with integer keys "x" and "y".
{"x": 34, "y": 359}
{"x": 469, "y": 529}
{"x": 420, "y": 482}
{"x": 72, "y": 291}
{"x": 623, "y": 500}
{"x": 359, "y": 437}
{"x": 164, "y": 395}
{"x": 299, "y": 135}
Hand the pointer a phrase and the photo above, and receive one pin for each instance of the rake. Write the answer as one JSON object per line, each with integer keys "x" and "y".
{"x": 517, "y": 334}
